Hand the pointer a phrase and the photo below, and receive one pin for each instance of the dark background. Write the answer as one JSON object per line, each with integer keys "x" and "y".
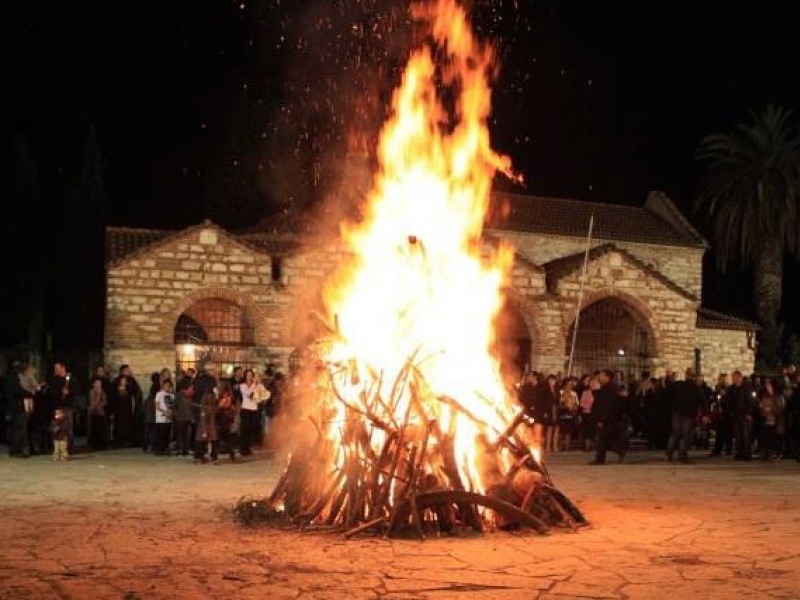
{"x": 159, "y": 114}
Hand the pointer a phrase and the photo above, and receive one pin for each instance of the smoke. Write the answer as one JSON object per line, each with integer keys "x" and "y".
{"x": 339, "y": 62}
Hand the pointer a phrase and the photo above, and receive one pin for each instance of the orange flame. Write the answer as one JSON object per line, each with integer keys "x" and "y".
{"x": 418, "y": 285}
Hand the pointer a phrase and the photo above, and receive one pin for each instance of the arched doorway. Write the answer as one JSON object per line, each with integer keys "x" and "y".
{"x": 214, "y": 329}
{"x": 513, "y": 342}
{"x": 611, "y": 335}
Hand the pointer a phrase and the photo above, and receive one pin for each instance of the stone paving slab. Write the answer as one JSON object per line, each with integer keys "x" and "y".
{"x": 123, "y": 524}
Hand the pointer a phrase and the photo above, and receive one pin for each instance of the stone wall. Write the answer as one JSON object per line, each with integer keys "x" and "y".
{"x": 724, "y": 351}
{"x": 669, "y": 315}
{"x": 148, "y": 291}
{"x": 681, "y": 265}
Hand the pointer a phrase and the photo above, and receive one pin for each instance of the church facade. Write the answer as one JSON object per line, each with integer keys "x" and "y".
{"x": 248, "y": 298}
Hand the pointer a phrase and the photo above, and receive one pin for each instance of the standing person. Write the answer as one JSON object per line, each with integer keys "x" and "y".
{"x": 547, "y": 406}
{"x": 722, "y": 418}
{"x": 124, "y": 412}
{"x": 249, "y": 421}
{"x": 29, "y": 383}
{"x": 624, "y": 420}
{"x": 184, "y": 398}
{"x": 164, "y": 403}
{"x": 527, "y": 398}
{"x": 262, "y": 398}
{"x": 568, "y": 413}
{"x": 108, "y": 389}
{"x": 643, "y": 405}
{"x": 60, "y": 435}
{"x": 43, "y": 414}
{"x": 275, "y": 409}
{"x": 605, "y": 412}
{"x": 185, "y": 389}
{"x": 768, "y": 407}
{"x": 62, "y": 393}
{"x": 130, "y": 407}
{"x": 205, "y": 407}
{"x": 226, "y": 416}
{"x": 97, "y": 415}
{"x": 742, "y": 399}
{"x": 149, "y": 412}
{"x": 206, "y": 430}
{"x": 17, "y": 400}
{"x": 587, "y": 429}
{"x": 686, "y": 400}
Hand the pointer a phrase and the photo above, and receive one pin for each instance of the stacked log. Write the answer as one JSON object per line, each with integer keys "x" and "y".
{"x": 391, "y": 468}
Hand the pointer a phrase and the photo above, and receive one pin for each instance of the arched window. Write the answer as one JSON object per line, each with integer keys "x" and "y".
{"x": 611, "y": 335}
{"x": 214, "y": 329}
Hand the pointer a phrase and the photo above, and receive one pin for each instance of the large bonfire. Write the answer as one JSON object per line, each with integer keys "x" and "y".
{"x": 415, "y": 428}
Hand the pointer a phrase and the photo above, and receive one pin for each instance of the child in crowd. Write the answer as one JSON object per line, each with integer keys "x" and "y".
{"x": 164, "y": 411}
{"x": 60, "y": 429}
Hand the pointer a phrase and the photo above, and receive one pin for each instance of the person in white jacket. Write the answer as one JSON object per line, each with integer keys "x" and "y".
{"x": 165, "y": 406}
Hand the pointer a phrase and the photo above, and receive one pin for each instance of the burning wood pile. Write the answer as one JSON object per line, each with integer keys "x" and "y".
{"x": 414, "y": 429}
{"x": 397, "y": 467}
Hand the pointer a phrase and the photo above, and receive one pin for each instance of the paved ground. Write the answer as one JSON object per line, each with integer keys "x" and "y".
{"x": 126, "y": 525}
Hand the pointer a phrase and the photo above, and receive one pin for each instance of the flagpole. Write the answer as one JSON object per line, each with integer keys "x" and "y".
{"x": 580, "y": 296}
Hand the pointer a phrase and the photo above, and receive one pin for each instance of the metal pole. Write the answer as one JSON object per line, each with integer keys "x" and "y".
{"x": 580, "y": 297}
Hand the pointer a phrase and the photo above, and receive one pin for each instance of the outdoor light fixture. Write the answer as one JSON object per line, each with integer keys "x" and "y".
{"x": 621, "y": 352}
{"x": 187, "y": 352}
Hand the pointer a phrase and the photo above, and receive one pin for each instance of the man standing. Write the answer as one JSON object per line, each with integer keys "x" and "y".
{"x": 205, "y": 397}
{"x": 19, "y": 404}
{"x": 185, "y": 413}
{"x": 722, "y": 418}
{"x": 686, "y": 399}
{"x": 605, "y": 411}
{"x": 62, "y": 394}
{"x": 527, "y": 398}
{"x": 742, "y": 400}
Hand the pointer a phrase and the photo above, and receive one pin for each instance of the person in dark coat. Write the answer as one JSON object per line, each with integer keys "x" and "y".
{"x": 225, "y": 417}
{"x": 546, "y": 406}
{"x": 184, "y": 414}
{"x": 722, "y": 418}
{"x": 528, "y": 395}
{"x": 204, "y": 408}
{"x": 19, "y": 407}
{"x": 606, "y": 413}
{"x": 62, "y": 393}
{"x": 742, "y": 400}
{"x": 687, "y": 400}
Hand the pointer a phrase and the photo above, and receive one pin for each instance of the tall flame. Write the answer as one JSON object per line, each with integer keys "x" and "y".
{"x": 419, "y": 285}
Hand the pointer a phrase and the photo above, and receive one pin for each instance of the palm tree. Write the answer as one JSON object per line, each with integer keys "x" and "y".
{"x": 752, "y": 199}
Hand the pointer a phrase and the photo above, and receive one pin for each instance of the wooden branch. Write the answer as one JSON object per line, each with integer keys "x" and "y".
{"x": 365, "y": 526}
{"x": 461, "y": 497}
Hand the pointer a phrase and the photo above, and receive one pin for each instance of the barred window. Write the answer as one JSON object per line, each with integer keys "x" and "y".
{"x": 214, "y": 329}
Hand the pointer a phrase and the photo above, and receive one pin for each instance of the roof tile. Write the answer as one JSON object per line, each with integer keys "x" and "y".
{"x": 566, "y": 217}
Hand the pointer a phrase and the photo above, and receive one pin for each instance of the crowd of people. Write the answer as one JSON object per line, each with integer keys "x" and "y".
{"x": 745, "y": 416}
{"x": 202, "y": 414}
{"x": 198, "y": 415}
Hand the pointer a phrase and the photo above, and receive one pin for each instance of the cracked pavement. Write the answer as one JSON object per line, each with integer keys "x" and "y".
{"x": 126, "y": 525}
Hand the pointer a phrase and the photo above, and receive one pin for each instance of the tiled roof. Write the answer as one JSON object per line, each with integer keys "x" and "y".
{"x": 657, "y": 222}
{"x": 122, "y": 241}
{"x": 711, "y": 319}
{"x": 126, "y": 242}
{"x": 270, "y": 244}
{"x": 558, "y": 268}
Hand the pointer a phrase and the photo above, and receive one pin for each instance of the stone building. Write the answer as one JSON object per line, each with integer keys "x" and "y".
{"x": 246, "y": 298}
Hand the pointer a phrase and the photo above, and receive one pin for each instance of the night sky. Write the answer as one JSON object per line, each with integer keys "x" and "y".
{"x": 234, "y": 110}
